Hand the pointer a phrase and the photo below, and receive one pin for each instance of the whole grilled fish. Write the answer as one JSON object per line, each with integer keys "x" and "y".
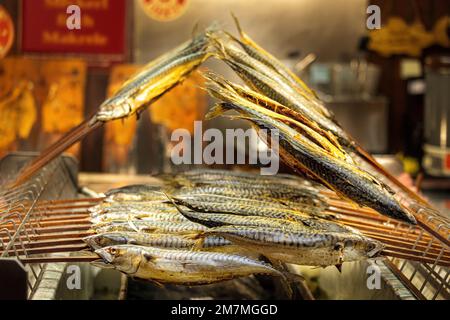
{"x": 302, "y": 247}
{"x": 154, "y": 80}
{"x": 180, "y": 267}
{"x": 292, "y": 200}
{"x": 348, "y": 181}
{"x": 261, "y": 211}
{"x": 173, "y": 241}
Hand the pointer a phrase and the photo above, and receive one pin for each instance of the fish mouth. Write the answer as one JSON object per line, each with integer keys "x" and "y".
{"x": 90, "y": 241}
{"x": 106, "y": 256}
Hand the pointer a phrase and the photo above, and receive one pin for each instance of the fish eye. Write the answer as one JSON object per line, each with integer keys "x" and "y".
{"x": 113, "y": 251}
{"x": 348, "y": 244}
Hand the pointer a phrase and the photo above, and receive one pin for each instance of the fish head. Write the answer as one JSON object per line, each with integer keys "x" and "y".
{"x": 114, "y": 108}
{"x": 104, "y": 240}
{"x": 122, "y": 258}
{"x": 359, "y": 247}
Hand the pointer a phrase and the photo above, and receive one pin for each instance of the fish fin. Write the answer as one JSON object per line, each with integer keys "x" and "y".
{"x": 133, "y": 226}
{"x": 339, "y": 267}
{"x": 215, "y": 111}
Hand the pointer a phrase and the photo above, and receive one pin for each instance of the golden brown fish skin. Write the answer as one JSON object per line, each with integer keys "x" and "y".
{"x": 179, "y": 266}
{"x": 226, "y": 91}
{"x": 303, "y": 247}
{"x": 155, "y": 79}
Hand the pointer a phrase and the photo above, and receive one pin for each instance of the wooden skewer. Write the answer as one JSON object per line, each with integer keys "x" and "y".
{"x": 60, "y": 259}
{"x": 48, "y": 243}
{"x": 47, "y": 250}
{"x": 51, "y": 236}
{"x": 73, "y": 136}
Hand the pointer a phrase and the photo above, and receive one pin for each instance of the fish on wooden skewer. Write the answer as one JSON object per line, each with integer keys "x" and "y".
{"x": 301, "y": 152}
{"x": 258, "y": 53}
{"x": 148, "y": 85}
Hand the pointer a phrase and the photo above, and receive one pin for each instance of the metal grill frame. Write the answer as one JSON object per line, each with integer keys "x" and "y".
{"x": 58, "y": 181}
{"x": 18, "y": 207}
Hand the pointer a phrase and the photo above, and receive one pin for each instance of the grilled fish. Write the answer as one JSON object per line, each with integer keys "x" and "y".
{"x": 302, "y": 247}
{"x": 155, "y": 79}
{"x": 261, "y": 211}
{"x": 348, "y": 181}
{"x": 181, "y": 267}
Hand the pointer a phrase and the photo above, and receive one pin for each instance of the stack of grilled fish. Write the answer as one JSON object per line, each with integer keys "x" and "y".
{"x": 206, "y": 226}
{"x": 311, "y": 141}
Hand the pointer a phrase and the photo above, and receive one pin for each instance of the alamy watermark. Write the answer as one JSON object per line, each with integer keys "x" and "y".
{"x": 373, "y": 281}
{"x": 73, "y": 281}
{"x": 374, "y": 19}
{"x": 73, "y": 21}
{"x": 191, "y": 150}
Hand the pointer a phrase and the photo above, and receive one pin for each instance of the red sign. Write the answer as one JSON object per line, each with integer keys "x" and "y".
{"x": 102, "y": 26}
{"x": 6, "y": 32}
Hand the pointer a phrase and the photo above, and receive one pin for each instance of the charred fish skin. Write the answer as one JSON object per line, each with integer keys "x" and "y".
{"x": 179, "y": 266}
{"x": 301, "y": 247}
{"x": 174, "y": 241}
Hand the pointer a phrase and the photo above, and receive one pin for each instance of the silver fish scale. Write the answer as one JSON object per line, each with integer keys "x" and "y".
{"x": 281, "y": 237}
{"x": 200, "y": 256}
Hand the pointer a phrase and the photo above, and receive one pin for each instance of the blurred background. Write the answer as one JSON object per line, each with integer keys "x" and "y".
{"x": 388, "y": 87}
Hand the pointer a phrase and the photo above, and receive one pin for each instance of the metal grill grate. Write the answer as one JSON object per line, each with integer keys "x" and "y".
{"x": 38, "y": 223}
{"x": 20, "y": 217}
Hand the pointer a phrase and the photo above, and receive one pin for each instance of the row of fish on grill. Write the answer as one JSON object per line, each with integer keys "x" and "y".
{"x": 206, "y": 226}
